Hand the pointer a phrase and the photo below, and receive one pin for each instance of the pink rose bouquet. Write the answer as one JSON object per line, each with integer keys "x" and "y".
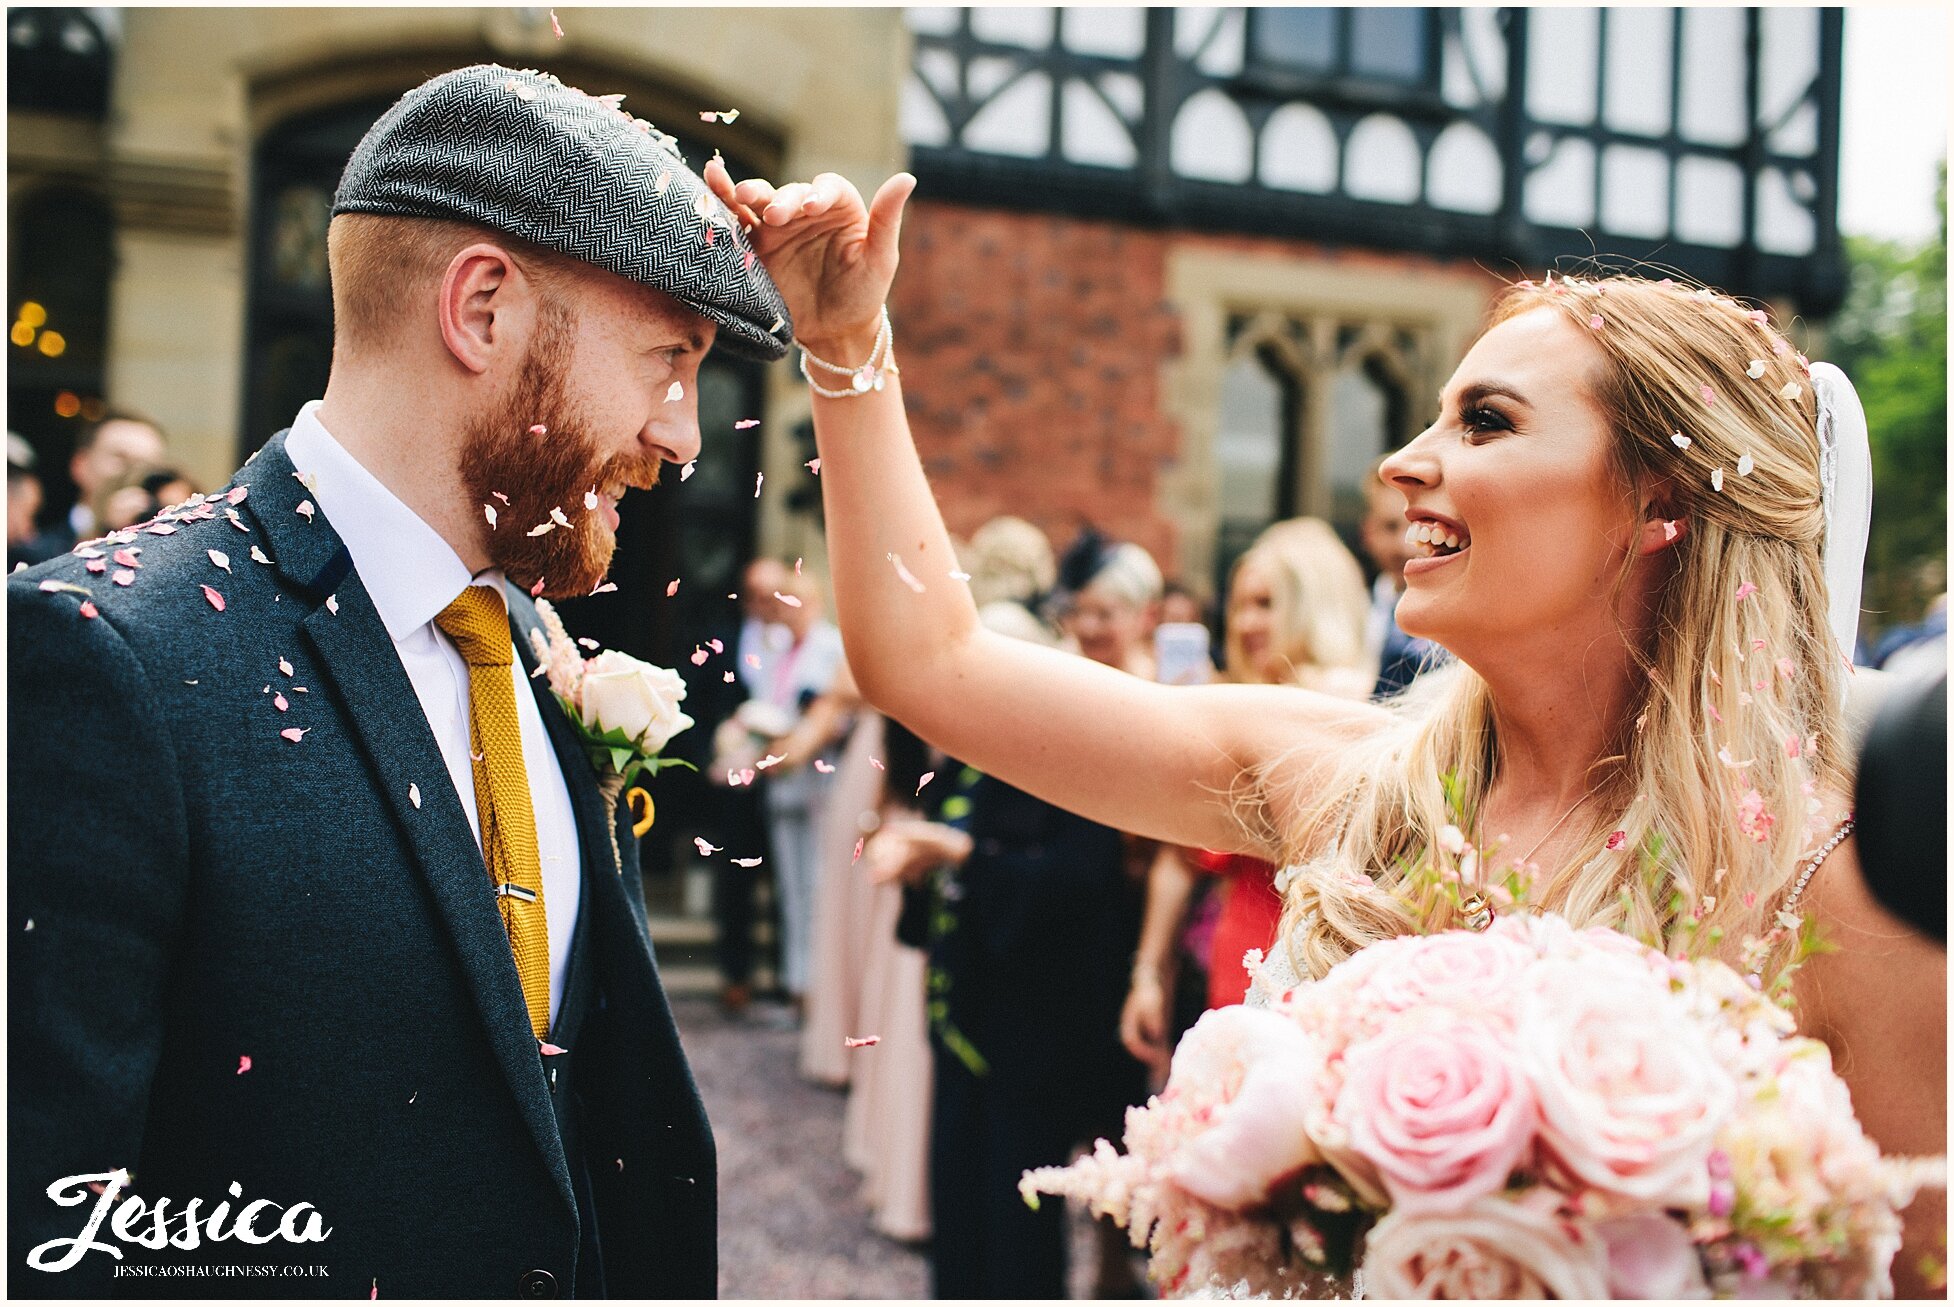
{"x": 1527, "y": 1111}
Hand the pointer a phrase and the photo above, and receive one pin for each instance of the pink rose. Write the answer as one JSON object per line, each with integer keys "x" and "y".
{"x": 1441, "y": 1110}
{"x": 1251, "y": 1076}
{"x": 1493, "y": 1249}
{"x": 1630, "y": 1095}
{"x": 1650, "y": 1256}
{"x": 1460, "y": 969}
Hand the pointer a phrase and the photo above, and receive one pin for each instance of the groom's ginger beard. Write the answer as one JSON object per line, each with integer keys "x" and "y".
{"x": 540, "y": 472}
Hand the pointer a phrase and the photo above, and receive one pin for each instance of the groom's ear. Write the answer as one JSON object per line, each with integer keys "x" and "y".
{"x": 486, "y": 306}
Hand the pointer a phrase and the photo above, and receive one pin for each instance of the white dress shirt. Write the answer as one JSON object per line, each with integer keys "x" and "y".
{"x": 411, "y": 574}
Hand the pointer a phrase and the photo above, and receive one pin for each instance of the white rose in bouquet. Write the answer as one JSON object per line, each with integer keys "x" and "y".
{"x": 1492, "y": 1249}
{"x": 623, "y": 693}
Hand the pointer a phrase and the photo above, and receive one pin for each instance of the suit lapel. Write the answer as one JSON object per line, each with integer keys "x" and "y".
{"x": 385, "y": 714}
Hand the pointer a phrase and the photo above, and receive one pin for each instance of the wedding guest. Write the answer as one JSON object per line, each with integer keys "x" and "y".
{"x": 735, "y": 816}
{"x": 23, "y": 504}
{"x": 316, "y": 898}
{"x": 138, "y": 494}
{"x": 105, "y": 450}
{"x": 1640, "y": 519}
{"x": 1035, "y": 919}
{"x": 1296, "y": 609}
{"x": 796, "y": 795}
{"x": 1398, "y": 657}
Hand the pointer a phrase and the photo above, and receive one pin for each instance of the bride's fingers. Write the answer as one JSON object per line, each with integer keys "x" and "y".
{"x": 831, "y": 190}
{"x": 885, "y": 215}
{"x": 754, "y": 191}
{"x": 785, "y": 206}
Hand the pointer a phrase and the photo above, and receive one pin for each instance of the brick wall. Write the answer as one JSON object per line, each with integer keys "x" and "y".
{"x": 1032, "y": 348}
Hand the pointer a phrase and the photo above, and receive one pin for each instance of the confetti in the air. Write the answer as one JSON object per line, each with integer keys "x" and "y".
{"x": 907, "y": 577}
{"x": 746, "y": 862}
{"x": 792, "y": 601}
{"x": 243, "y": 1063}
{"x": 605, "y": 588}
{"x": 877, "y": 764}
{"x": 866, "y": 1041}
{"x": 556, "y": 26}
{"x": 715, "y": 646}
{"x": 728, "y": 678}
{"x": 858, "y": 850}
{"x": 536, "y": 590}
{"x": 414, "y": 794}
{"x": 220, "y": 558}
{"x": 699, "y": 657}
{"x": 928, "y": 776}
{"x": 671, "y": 589}
{"x": 685, "y": 473}
{"x": 675, "y": 394}
{"x": 726, "y": 116}
{"x": 746, "y": 423}
{"x": 586, "y": 642}
{"x": 823, "y": 766}
{"x": 814, "y": 466}
{"x": 759, "y": 479}
{"x": 214, "y": 599}
{"x": 706, "y": 850}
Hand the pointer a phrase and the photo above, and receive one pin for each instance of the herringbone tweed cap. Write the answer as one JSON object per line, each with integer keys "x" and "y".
{"x": 522, "y": 153}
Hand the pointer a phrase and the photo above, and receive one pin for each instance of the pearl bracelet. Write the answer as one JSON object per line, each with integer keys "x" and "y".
{"x": 871, "y": 375}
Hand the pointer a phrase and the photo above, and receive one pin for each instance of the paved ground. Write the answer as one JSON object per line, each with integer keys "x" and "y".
{"x": 790, "y": 1222}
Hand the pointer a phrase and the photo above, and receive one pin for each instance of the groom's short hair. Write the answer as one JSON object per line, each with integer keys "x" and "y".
{"x": 382, "y": 266}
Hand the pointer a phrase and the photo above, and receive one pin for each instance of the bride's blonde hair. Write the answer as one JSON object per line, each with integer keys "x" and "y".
{"x": 1714, "y": 778}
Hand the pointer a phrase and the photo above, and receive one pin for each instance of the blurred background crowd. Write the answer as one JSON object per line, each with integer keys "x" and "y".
{"x": 1173, "y": 283}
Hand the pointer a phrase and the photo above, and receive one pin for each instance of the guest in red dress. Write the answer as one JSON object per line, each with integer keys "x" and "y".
{"x": 1296, "y": 611}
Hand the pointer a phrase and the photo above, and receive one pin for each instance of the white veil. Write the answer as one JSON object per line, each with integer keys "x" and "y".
{"x": 1845, "y": 466}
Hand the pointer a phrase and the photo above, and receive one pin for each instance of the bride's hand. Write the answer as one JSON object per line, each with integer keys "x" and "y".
{"x": 831, "y": 255}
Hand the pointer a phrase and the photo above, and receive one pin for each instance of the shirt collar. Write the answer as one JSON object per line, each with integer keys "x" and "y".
{"x": 409, "y": 571}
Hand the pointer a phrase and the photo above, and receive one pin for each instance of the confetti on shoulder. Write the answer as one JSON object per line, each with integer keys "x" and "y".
{"x": 294, "y": 733}
{"x": 332, "y": 604}
{"x": 305, "y": 509}
{"x": 414, "y": 794}
{"x": 219, "y": 558}
{"x": 866, "y": 1041}
{"x": 214, "y": 599}
{"x": 548, "y": 1049}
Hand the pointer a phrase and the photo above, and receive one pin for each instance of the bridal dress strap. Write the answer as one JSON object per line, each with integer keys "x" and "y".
{"x": 1813, "y": 864}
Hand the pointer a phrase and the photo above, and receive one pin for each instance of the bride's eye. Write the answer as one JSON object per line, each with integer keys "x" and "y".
{"x": 1481, "y": 420}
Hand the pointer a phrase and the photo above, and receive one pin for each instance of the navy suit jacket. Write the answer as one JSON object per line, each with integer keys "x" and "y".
{"x": 188, "y": 888}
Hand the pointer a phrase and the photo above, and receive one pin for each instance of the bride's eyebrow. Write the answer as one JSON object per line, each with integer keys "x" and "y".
{"x": 1479, "y": 391}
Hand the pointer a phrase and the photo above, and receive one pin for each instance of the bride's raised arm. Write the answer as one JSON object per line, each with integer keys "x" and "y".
{"x": 1166, "y": 762}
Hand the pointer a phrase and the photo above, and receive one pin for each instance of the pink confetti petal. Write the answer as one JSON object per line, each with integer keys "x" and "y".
{"x": 1787, "y": 669}
{"x": 280, "y": 702}
{"x": 499, "y": 495}
{"x": 556, "y": 26}
{"x": 127, "y": 558}
{"x": 605, "y": 588}
{"x": 748, "y": 863}
{"x": 1594, "y": 322}
{"x": 548, "y": 1049}
{"x": 858, "y": 850}
{"x": 88, "y": 608}
{"x": 1669, "y": 532}
{"x": 717, "y": 647}
{"x": 236, "y": 494}
{"x": 699, "y": 657}
{"x": 1792, "y": 746}
{"x": 219, "y": 558}
{"x": 332, "y": 604}
{"x": 243, "y": 1063}
{"x": 866, "y": 1041}
{"x": 671, "y": 589}
{"x": 161, "y": 529}
{"x": 792, "y": 601}
{"x": 928, "y": 776}
{"x": 823, "y": 766}
{"x": 814, "y": 466}
{"x": 706, "y": 848}
{"x": 214, "y": 599}
{"x": 539, "y": 430}
{"x": 258, "y": 555}
{"x": 1709, "y": 395}
{"x": 537, "y": 589}
{"x": 877, "y": 764}
{"x": 97, "y": 565}
{"x": 745, "y": 424}
{"x": 1617, "y": 839}
{"x": 685, "y": 473}
{"x": 728, "y": 678}
{"x": 294, "y": 733}
{"x": 905, "y": 575}
{"x": 1746, "y": 590}
{"x": 124, "y": 576}
{"x": 753, "y": 661}
{"x": 305, "y": 509}
{"x": 285, "y": 666}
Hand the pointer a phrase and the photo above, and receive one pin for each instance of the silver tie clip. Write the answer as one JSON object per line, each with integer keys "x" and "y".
{"x": 510, "y": 890}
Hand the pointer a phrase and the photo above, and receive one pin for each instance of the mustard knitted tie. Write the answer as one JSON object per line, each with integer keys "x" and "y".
{"x": 478, "y": 623}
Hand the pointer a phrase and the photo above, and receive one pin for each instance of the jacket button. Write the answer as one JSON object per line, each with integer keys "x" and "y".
{"x": 536, "y": 1284}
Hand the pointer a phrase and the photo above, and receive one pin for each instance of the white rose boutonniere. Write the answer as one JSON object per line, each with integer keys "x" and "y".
{"x": 625, "y": 710}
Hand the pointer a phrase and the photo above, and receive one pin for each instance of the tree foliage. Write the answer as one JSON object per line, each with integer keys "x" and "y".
{"x": 1890, "y": 336}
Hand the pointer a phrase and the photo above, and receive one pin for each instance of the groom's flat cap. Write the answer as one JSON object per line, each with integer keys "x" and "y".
{"x": 527, "y": 155}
